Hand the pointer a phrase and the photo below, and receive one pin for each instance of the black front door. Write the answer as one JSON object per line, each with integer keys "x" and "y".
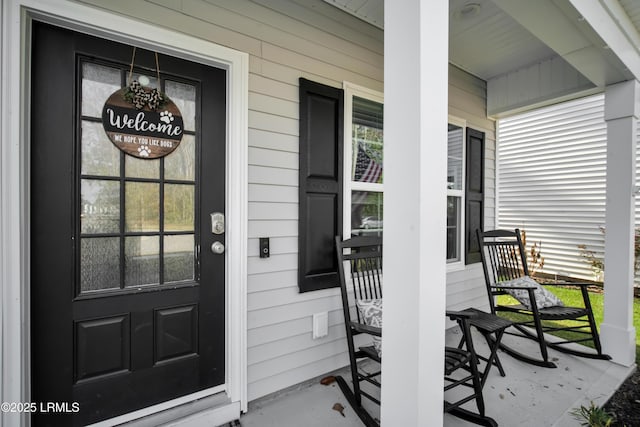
{"x": 127, "y": 298}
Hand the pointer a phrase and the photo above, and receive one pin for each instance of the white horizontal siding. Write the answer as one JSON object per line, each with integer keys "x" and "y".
{"x": 286, "y": 40}
{"x": 552, "y": 181}
{"x": 281, "y": 351}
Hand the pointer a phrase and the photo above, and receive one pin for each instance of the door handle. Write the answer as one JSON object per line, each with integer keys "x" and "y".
{"x": 217, "y": 248}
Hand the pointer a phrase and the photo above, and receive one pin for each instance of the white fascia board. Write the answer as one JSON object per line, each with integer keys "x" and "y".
{"x": 544, "y": 83}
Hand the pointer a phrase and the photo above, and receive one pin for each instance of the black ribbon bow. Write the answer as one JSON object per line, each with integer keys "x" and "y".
{"x": 139, "y": 96}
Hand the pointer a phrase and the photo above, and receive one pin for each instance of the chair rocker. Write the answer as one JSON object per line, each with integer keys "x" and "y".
{"x": 361, "y": 282}
{"x": 505, "y": 270}
{"x": 360, "y": 271}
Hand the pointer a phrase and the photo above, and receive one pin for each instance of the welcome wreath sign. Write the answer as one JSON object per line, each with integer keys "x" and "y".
{"x": 142, "y": 122}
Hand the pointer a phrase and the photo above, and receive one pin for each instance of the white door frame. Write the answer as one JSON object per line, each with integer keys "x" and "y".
{"x": 14, "y": 180}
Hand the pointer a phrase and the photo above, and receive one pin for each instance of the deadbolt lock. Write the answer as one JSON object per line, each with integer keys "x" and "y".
{"x": 217, "y": 223}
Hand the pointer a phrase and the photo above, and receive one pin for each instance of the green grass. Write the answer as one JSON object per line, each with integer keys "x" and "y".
{"x": 573, "y": 297}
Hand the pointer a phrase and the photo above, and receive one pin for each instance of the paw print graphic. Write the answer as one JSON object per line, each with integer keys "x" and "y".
{"x": 144, "y": 151}
{"x": 166, "y": 117}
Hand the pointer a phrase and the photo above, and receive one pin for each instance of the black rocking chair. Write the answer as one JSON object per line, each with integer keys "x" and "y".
{"x": 361, "y": 286}
{"x": 506, "y": 272}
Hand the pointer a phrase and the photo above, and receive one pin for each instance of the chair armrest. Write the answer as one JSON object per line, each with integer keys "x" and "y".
{"x": 530, "y": 290}
{"x": 583, "y": 290}
{"x": 577, "y": 284}
{"x": 361, "y": 327}
{"x": 454, "y": 315}
{"x": 512, "y": 287}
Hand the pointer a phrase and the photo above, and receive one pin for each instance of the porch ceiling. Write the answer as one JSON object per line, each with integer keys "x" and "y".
{"x": 535, "y": 53}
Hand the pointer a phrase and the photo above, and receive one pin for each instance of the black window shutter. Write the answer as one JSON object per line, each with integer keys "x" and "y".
{"x": 320, "y": 185}
{"x": 474, "y": 194}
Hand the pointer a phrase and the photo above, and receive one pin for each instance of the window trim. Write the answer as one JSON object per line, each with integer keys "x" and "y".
{"x": 351, "y": 90}
{"x": 459, "y": 264}
{"x": 86, "y": 19}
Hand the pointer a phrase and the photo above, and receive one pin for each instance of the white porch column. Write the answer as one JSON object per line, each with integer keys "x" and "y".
{"x": 622, "y": 106}
{"x": 415, "y": 158}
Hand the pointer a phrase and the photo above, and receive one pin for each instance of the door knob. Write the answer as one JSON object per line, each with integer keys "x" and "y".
{"x": 217, "y": 248}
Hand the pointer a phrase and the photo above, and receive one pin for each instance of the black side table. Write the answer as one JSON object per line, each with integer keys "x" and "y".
{"x": 488, "y": 324}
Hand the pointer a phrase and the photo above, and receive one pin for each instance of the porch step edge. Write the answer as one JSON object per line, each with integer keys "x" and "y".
{"x": 209, "y": 417}
{"x": 211, "y": 410}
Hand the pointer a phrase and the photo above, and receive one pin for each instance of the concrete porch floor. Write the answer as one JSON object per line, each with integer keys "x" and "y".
{"x": 527, "y": 396}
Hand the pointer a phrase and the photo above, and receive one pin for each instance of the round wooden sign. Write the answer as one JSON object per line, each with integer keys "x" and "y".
{"x": 142, "y": 122}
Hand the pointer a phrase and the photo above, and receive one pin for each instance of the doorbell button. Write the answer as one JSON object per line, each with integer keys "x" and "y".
{"x": 264, "y": 247}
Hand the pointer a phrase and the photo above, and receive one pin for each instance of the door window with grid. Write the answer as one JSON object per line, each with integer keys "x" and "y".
{"x": 137, "y": 216}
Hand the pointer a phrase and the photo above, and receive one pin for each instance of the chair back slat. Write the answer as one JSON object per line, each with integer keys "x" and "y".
{"x": 363, "y": 255}
{"x": 503, "y": 258}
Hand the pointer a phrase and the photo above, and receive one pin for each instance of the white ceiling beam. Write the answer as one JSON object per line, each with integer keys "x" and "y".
{"x": 545, "y": 20}
{"x": 610, "y": 21}
{"x": 551, "y": 24}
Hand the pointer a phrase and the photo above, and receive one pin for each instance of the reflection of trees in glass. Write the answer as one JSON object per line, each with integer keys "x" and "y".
{"x": 98, "y": 83}
{"x": 99, "y": 155}
{"x": 178, "y": 207}
{"x": 184, "y": 96}
{"x": 367, "y": 129}
{"x": 370, "y": 140}
{"x": 180, "y": 164}
{"x": 142, "y": 206}
{"x": 141, "y": 168}
{"x": 454, "y": 157}
{"x": 453, "y": 219}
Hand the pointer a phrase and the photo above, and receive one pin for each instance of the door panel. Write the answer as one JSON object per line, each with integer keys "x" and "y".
{"x": 127, "y": 311}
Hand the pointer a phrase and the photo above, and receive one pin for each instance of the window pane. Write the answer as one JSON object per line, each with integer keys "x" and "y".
{"x": 99, "y": 155}
{"x": 100, "y": 206}
{"x": 141, "y": 260}
{"x": 366, "y": 213}
{"x": 99, "y": 263}
{"x": 178, "y": 258}
{"x": 98, "y": 83}
{"x": 453, "y": 228}
{"x": 180, "y": 163}
{"x": 184, "y": 96}
{"x": 142, "y": 206}
{"x": 178, "y": 207}
{"x": 367, "y": 141}
{"x": 454, "y": 158}
{"x": 141, "y": 168}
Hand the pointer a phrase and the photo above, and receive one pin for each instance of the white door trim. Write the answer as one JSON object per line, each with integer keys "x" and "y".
{"x": 14, "y": 177}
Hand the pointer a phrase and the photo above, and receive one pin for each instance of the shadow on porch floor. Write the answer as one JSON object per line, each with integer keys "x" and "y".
{"x": 527, "y": 396}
